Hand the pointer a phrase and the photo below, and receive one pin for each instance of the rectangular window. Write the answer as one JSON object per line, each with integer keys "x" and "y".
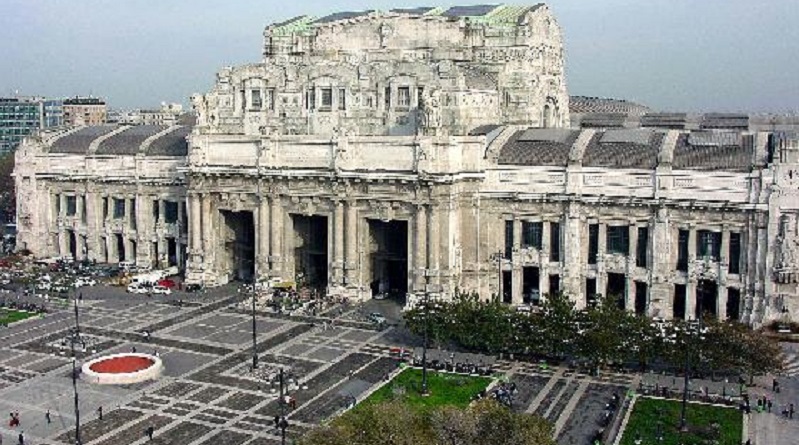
{"x": 554, "y": 284}
{"x": 554, "y": 241}
{"x": 618, "y": 240}
{"x": 708, "y": 245}
{"x": 508, "y": 239}
{"x": 243, "y": 94}
{"x": 105, "y": 208}
{"x": 119, "y": 208}
{"x": 255, "y": 100}
{"x": 58, "y": 205}
{"x": 532, "y": 234}
{"x": 682, "y": 251}
{"x": 83, "y": 209}
{"x": 270, "y": 98}
{"x": 735, "y": 253}
{"x": 419, "y": 96}
{"x": 404, "y": 97}
{"x": 311, "y": 99}
{"x": 387, "y": 97}
{"x": 590, "y": 292}
{"x": 641, "y": 248}
{"x": 171, "y": 212}
{"x": 327, "y": 98}
{"x": 593, "y": 243}
{"x": 72, "y": 206}
{"x": 342, "y": 99}
{"x": 679, "y": 302}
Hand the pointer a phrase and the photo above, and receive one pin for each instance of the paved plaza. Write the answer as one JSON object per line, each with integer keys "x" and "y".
{"x": 209, "y": 395}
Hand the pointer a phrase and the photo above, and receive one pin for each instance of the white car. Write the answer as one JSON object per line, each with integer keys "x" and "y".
{"x": 85, "y": 281}
{"x": 161, "y": 290}
{"x": 136, "y": 289}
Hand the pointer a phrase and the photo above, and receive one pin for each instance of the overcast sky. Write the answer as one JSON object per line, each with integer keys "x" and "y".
{"x": 691, "y": 55}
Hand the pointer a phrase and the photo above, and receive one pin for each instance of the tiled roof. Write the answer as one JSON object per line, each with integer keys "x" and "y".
{"x": 483, "y": 130}
{"x": 675, "y": 121}
{"x": 341, "y": 16}
{"x": 585, "y": 104}
{"x": 623, "y": 149}
{"x": 173, "y": 143}
{"x": 603, "y": 120}
{"x": 128, "y": 141}
{"x": 723, "y": 156}
{"x": 78, "y": 142}
{"x": 725, "y": 121}
{"x": 469, "y": 11}
{"x": 536, "y": 152}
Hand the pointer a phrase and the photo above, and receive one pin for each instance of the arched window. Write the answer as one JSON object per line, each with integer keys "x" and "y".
{"x": 546, "y": 120}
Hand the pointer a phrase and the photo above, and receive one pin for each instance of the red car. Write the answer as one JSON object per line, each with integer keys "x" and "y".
{"x": 170, "y": 284}
{"x": 5, "y": 264}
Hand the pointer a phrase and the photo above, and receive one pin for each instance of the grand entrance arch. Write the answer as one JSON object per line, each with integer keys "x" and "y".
{"x": 387, "y": 262}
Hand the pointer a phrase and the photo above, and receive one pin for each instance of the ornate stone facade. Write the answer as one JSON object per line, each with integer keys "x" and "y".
{"x": 428, "y": 151}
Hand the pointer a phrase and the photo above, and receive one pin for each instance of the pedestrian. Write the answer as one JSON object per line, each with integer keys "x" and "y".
{"x": 768, "y": 403}
{"x": 790, "y": 411}
{"x": 100, "y": 412}
{"x": 47, "y": 416}
{"x": 277, "y": 422}
{"x": 774, "y": 385}
{"x": 21, "y": 438}
{"x": 748, "y": 441}
{"x": 133, "y": 349}
{"x": 150, "y": 431}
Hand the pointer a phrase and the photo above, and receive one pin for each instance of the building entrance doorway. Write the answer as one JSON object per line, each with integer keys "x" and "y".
{"x": 120, "y": 247}
{"x": 706, "y": 292}
{"x": 73, "y": 244}
{"x": 238, "y": 239}
{"x": 531, "y": 291}
{"x": 733, "y": 304}
{"x": 310, "y": 251}
{"x": 617, "y": 288}
{"x": 388, "y": 258}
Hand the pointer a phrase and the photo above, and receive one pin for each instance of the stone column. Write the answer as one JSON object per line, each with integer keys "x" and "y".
{"x": 262, "y": 250}
{"x": 690, "y": 285}
{"x": 420, "y": 249}
{"x": 338, "y": 243}
{"x": 516, "y": 272}
{"x": 92, "y": 228}
{"x": 276, "y": 236}
{"x": 632, "y": 254}
{"x": 721, "y": 284}
{"x": 195, "y": 223}
{"x": 661, "y": 290}
{"x": 351, "y": 240}
{"x": 543, "y": 269}
{"x": 433, "y": 246}
{"x": 601, "y": 274}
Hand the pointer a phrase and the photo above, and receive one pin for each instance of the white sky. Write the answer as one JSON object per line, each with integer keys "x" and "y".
{"x": 690, "y": 55}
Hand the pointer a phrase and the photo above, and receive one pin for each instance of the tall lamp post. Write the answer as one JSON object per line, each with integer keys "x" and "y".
{"x": 254, "y": 341}
{"x": 75, "y": 338}
{"x": 691, "y": 330}
{"x": 424, "y": 344}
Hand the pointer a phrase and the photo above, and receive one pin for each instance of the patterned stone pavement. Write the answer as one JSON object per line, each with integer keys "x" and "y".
{"x": 209, "y": 395}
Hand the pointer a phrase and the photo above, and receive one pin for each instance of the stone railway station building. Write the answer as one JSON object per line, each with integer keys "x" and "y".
{"x": 427, "y": 151}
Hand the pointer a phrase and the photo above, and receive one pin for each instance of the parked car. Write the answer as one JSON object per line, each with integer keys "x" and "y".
{"x": 137, "y": 289}
{"x": 376, "y": 317}
{"x": 163, "y": 290}
{"x": 85, "y": 281}
{"x": 166, "y": 282}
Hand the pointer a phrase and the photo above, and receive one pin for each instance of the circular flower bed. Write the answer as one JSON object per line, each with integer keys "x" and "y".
{"x": 122, "y": 369}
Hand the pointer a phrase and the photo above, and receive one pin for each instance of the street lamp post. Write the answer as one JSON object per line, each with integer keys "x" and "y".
{"x": 73, "y": 339}
{"x": 424, "y": 345}
{"x": 254, "y": 341}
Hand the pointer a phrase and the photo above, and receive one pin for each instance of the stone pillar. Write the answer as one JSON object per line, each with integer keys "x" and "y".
{"x": 516, "y": 262}
{"x": 573, "y": 281}
{"x": 92, "y": 228}
{"x": 420, "y": 249}
{"x": 632, "y": 254}
{"x": 262, "y": 250}
{"x": 690, "y": 285}
{"x": 661, "y": 290}
{"x": 207, "y": 225}
{"x": 543, "y": 270}
{"x": 128, "y": 218}
{"x": 276, "y": 236}
{"x": 351, "y": 240}
{"x": 195, "y": 223}
{"x": 433, "y": 246}
{"x": 601, "y": 274}
{"x": 721, "y": 284}
{"x": 338, "y": 243}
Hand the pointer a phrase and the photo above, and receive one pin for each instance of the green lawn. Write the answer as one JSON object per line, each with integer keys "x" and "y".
{"x": 444, "y": 389}
{"x": 8, "y": 316}
{"x": 648, "y": 414}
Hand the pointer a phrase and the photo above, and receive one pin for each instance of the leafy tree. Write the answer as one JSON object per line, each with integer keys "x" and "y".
{"x": 484, "y": 423}
{"x": 603, "y": 337}
{"x": 558, "y": 325}
{"x": 8, "y": 196}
